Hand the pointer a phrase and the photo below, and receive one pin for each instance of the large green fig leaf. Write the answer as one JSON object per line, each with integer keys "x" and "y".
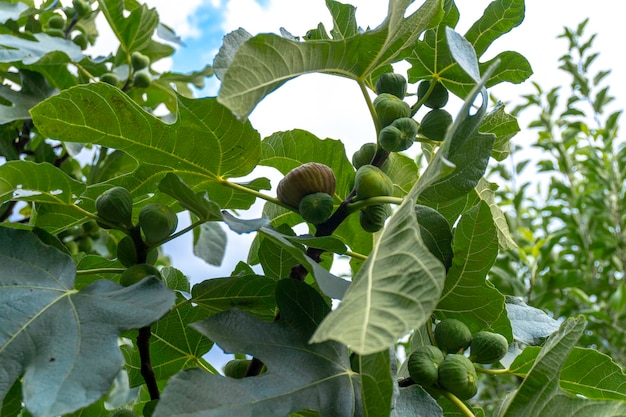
{"x": 585, "y": 372}
{"x": 539, "y": 395}
{"x": 299, "y": 375}
{"x": 64, "y": 342}
{"x": 467, "y": 295}
{"x": 264, "y": 62}
{"x": 27, "y": 51}
{"x": 432, "y": 57}
{"x": 203, "y": 147}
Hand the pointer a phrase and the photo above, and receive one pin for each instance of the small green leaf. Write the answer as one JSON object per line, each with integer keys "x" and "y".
{"x": 530, "y": 325}
{"x": 414, "y": 401}
{"x": 209, "y": 243}
{"x": 240, "y": 226}
{"x": 377, "y": 383}
{"x": 64, "y": 342}
{"x": 344, "y": 19}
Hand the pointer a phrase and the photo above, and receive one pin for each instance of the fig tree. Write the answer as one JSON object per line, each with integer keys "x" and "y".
{"x": 116, "y": 206}
{"x": 435, "y": 124}
{"x": 316, "y": 208}
{"x": 371, "y": 181}
{"x": 437, "y": 98}
{"x": 399, "y": 135}
{"x": 389, "y": 108}
{"x": 452, "y": 335}
{"x": 309, "y": 178}
{"x": 136, "y": 273}
{"x": 423, "y": 363}
{"x": 157, "y": 222}
{"x": 391, "y": 83}
{"x": 456, "y": 374}
{"x": 488, "y": 347}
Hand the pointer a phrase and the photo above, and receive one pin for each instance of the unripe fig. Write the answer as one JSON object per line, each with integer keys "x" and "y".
{"x": 389, "y": 108}
{"x": 116, "y": 206}
{"x": 458, "y": 376}
{"x": 371, "y": 181}
{"x": 81, "y": 40}
{"x": 127, "y": 253}
{"x": 91, "y": 228}
{"x": 372, "y": 218}
{"x": 364, "y": 155}
{"x": 142, "y": 79}
{"x": 57, "y": 33}
{"x": 452, "y": 335}
{"x": 437, "y": 98}
{"x": 139, "y": 61}
{"x": 316, "y": 208}
{"x": 306, "y": 179}
{"x": 488, "y": 347}
{"x": 237, "y": 368}
{"x": 110, "y": 78}
{"x": 391, "y": 83}
{"x": 423, "y": 363}
{"x": 435, "y": 124}
{"x": 85, "y": 244}
{"x": 56, "y": 22}
{"x": 136, "y": 273}
{"x": 157, "y": 221}
{"x": 399, "y": 135}
{"x": 81, "y": 7}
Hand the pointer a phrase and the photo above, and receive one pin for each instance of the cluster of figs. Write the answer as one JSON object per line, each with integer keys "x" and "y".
{"x": 446, "y": 367}
{"x": 310, "y": 188}
{"x": 137, "y": 253}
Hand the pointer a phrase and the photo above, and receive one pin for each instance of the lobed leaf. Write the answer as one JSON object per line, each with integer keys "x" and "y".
{"x": 64, "y": 342}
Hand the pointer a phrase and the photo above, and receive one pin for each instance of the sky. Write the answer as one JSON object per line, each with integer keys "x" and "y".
{"x": 331, "y": 107}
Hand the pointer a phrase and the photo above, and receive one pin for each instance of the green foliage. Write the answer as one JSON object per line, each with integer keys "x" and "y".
{"x": 86, "y": 327}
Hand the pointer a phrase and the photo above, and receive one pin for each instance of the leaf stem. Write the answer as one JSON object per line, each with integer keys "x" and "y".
{"x": 370, "y": 105}
{"x": 356, "y": 255}
{"x": 177, "y": 234}
{"x": 352, "y": 207}
{"x": 458, "y": 403}
{"x": 100, "y": 271}
{"x": 491, "y": 371}
{"x": 250, "y": 191}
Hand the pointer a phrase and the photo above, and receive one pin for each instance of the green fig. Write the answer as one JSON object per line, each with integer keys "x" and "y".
{"x": 157, "y": 222}
{"x": 139, "y": 61}
{"x": 237, "y": 368}
{"x": 371, "y": 181}
{"x": 456, "y": 374}
{"x": 56, "y": 22}
{"x": 57, "y": 33}
{"x": 488, "y": 347}
{"x": 115, "y": 206}
{"x": 372, "y": 218}
{"x": 136, "y": 273}
{"x": 452, "y": 335}
{"x": 399, "y": 135}
{"x": 391, "y": 83}
{"x": 437, "y": 98}
{"x": 435, "y": 124}
{"x": 81, "y": 40}
{"x": 423, "y": 363}
{"x": 110, "y": 78}
{"x": 389, "y": 108}
{"x": 82, "y": 7}
{"x": 316, "y": 208}
{"x": 142, "y": 79}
